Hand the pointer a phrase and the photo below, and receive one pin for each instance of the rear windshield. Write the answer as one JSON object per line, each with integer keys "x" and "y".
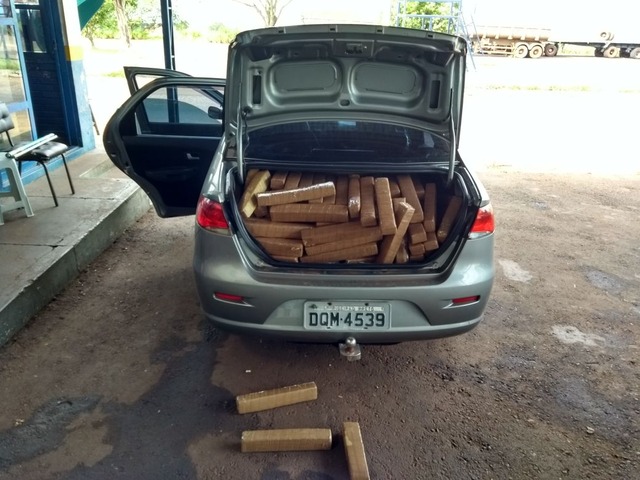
{"x": 346, "y": 140}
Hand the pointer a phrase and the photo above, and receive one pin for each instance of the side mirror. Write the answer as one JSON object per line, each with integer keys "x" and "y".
{"x": 215, "y": 112}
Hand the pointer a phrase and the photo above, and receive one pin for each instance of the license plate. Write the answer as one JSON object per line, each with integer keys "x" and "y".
{"x": 347, "y": 316}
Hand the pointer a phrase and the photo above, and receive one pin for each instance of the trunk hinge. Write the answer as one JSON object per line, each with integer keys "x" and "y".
{"x": 240, "y": 131}
{"x": 454, "y": 142}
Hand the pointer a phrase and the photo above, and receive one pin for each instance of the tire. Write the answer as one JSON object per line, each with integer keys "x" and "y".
{"x": 551, "y": 49}
{"x": 598, "y": 53}
{"x": 536, "y": 51}
{"x": 611, "y": 51}
{"x": 635, "y": 53}
{"x": 624, "y": 54}
{"x": 520, "y": 51}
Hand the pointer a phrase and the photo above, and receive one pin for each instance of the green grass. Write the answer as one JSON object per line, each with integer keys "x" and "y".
{"x": 115, "y": 74}
{"x": 9, "y": 64}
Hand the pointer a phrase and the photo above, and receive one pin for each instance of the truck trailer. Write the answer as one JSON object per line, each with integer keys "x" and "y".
{"x": 521, "y": 42}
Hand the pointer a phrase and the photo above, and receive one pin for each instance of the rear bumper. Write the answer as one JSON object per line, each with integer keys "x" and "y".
{"x": 299, "y": 334}
{"x": 421, "y": 305}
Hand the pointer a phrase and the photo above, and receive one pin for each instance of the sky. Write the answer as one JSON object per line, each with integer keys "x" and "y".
{"x": 566, "y": 17}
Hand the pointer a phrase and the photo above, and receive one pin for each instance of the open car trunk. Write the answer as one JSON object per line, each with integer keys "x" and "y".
{"x": 356, "y": 218}
{"x": 346, "y": 140}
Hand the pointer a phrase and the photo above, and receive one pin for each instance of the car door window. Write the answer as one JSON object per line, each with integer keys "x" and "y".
{"x": 182, "y": 110}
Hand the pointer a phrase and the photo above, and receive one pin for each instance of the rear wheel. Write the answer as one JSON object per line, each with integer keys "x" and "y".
{"x": 625, "y": 54}
{"x": 635, "y": 53}
{"x": 611, "y": 52}
{"x": 536, "y": 51}
{"x": 521, "y": 51}
{"x": 551, "y": 49}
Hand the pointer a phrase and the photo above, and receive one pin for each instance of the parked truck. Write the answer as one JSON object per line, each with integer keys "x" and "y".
{"x": 521, "y": 42}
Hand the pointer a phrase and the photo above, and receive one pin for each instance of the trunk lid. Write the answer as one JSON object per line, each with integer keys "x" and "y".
{"x": 346, "y": 72}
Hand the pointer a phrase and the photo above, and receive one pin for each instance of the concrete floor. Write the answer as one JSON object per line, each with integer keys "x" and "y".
{"x": 41, "y": 254}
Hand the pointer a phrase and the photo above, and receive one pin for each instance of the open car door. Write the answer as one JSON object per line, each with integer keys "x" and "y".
{"x": 164, "y": 138}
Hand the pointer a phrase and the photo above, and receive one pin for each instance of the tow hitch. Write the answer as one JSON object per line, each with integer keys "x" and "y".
{"x": 350, "y": 349}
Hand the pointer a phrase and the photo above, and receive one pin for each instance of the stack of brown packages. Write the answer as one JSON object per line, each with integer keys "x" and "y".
{"x": 319, "y": 218}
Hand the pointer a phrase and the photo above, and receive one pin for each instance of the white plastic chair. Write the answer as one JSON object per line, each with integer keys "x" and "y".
{"x": 16, "y": 189}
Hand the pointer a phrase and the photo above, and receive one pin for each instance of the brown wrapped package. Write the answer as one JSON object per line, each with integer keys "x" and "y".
{"x": 330, "y": 233}
{"x": 306, "y": 180}
{"x": 368, "y": 217}
{"x": 344, "y": 254}
{"x": 293, "y": 180}
{"x": 296, "y": 195}
{"x": 391, "y": 243}
{"x": 354, "y": 197}
{"x": 397, "y": 201}
{"x": 261, "y": 212}
{"x": 409, "y": 192}
{"x": 431, "y": 243}
{"x": 359, "y": 237}
{"x": 342, "y": 190}
{"x": 250, "y": 175}
{"x": 417, "y": 233}
{"x": 385, "y": 206}
{"x": 259, "y": 183}
{"x": 419, "y": 188}
{"x": 265, "y": 228}
{"x": 417, "y": 249}
{"x": 281, "y": 246}
{"x": 286, "y": 440}
{"x": 317, "y": 179}
{"x": 394, "y": 188}
{"x": 285, "y": 259}
{"x": 278, "y": 181}
{"x": 276, "y": 397}
{"x": 448, "y": 218}
{"x": 331, "y": 198}
{"x": 309, "y": 212}
{"x": 354, "y": 450}
{"x": 430, "y": 207}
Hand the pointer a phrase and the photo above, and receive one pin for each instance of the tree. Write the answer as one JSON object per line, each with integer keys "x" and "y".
{"x": 138, "y": 19}
{"x": 427, "y": 15}
{"x": 269, "y": 10}
{"x": 103, "y": 24}
{"x": 123, "y": 20}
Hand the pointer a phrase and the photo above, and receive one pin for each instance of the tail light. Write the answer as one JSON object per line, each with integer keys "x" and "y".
{"x": 465, "y": 300}
{"x": 484, "y": 223}
{"x": 210, "y": 215}
{"x": 229, "y": 297}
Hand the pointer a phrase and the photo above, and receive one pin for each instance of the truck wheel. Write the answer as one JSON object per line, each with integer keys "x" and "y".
{"x": 551, "y": 49}
{"x": 635, "y": 53}
{"x": 536, "y": 51}
{"x": 521, "y": 51}
{"x": 611, "y": 52}
{"x": 598, "y": 53}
